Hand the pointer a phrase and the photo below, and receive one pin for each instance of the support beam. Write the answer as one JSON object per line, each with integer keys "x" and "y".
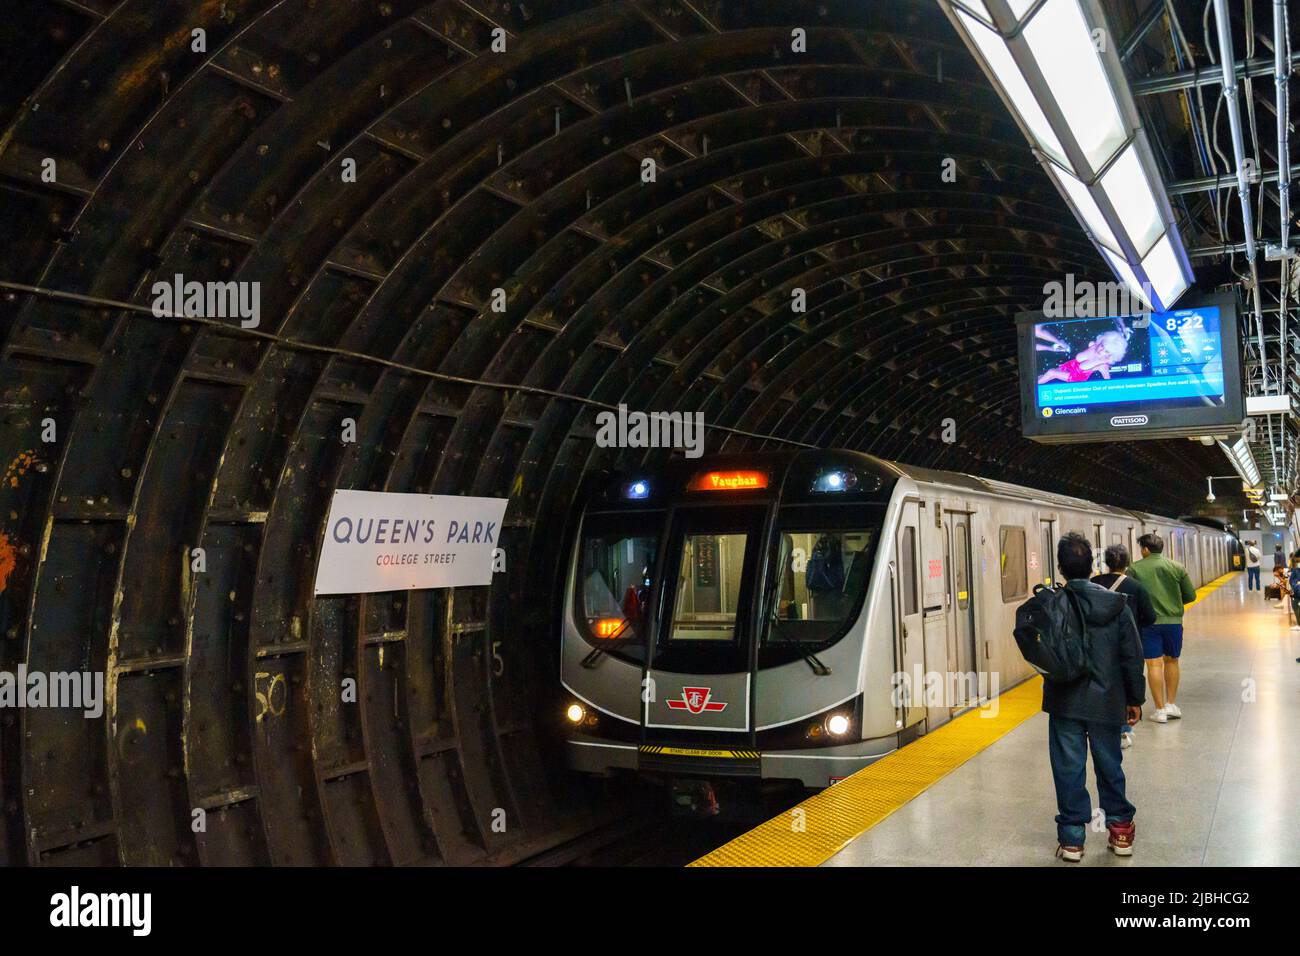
{"x": 1226, "y": 181}
{"x": 1150, "y": 17}
{"x": 1206, "y": 76}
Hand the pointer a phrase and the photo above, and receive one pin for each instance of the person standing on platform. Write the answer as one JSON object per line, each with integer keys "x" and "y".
{"x": 1252, "y": 567}
{"x": 1279, "y": 559}
{"x": 1139, "y": 602}
{"x": 1171, "y": 590}
{"x": 1088, "y": 712}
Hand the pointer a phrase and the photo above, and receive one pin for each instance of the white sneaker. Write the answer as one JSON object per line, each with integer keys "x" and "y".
{"x": 1160, "y": 717}
{"x": 1295, "y": 627}
{"x": 1125, "y": 741}
{"x": 1171, "y": 710}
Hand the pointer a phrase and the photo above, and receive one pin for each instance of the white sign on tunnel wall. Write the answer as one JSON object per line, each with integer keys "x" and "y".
{"x": 387, "y": 541}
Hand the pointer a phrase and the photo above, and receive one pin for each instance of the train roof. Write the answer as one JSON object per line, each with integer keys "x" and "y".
{"x": 994, "y": 486}
{"x": 782, "y": 461}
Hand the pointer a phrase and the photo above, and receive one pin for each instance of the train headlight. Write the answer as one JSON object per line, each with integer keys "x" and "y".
{"x": 837, "y": 725}
{"x": 575, "y": 713}
{"x": 833, "y": 481}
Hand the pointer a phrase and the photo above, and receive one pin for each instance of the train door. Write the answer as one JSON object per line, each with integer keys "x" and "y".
{"x": 1048, "y": 568}
{"x": 909, "y": 633}
{"x": 700, "y": 671}
{"x": 935, "y": 604}
{"x": 962, "y": 654}
{"x": 1098, "y": 548}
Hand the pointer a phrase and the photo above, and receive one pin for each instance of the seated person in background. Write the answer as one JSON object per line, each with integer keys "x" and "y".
{"x": 1139, "y": 602}
{"x": 1293, "y": 585}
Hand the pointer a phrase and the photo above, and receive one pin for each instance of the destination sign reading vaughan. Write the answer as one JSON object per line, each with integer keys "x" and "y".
{"x": 387, "y": 541}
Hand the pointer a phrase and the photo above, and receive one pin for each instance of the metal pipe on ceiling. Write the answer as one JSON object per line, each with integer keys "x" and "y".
{"x": 1227, "y": 63}
{"x": 1196, "y": 76}
{"x": 1203, "y": 184}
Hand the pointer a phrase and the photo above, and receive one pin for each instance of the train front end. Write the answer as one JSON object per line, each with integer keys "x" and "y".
{"x": 717, "y": 617}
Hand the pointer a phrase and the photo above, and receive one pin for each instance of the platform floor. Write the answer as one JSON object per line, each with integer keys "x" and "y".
{"x": 1220, "y": 787}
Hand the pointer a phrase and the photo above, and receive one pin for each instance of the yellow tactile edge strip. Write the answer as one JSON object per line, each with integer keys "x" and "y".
{"x": 836, "y": 816}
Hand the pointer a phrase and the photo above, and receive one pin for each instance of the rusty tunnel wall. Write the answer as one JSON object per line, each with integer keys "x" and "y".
{"x": 131, "y": 438}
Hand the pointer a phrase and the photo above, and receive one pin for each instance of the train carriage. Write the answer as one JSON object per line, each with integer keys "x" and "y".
{"x": 795, "y": 616}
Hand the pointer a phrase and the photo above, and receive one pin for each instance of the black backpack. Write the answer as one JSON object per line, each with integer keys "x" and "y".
{"x": 1052, "y": 634}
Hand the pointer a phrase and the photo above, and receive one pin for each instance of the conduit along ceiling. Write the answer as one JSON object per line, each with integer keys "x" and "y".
{"x": 475, "y": 170}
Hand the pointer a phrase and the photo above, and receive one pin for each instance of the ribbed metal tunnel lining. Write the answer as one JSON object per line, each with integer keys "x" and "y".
{"x": 475, "y": 171}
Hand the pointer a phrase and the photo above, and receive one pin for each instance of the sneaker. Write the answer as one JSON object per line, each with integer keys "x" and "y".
{"x": 1121, "y": 838}
{"x": 1125, "y": 741}
{"x": 1171, "y": 710}
{"x": 1070, "y": 854}
{"x": 1160, "y": 717}
{"x": 1295, "y": 627}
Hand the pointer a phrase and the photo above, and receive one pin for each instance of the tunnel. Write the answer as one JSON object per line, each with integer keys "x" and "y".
{"x": 472, "y": 227}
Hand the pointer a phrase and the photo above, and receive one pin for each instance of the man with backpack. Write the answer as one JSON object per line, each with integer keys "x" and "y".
{"x": 1085, "y": 640}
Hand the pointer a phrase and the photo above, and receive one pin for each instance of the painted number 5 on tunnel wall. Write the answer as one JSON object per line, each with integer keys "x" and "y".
{"x": 387, "y": 541}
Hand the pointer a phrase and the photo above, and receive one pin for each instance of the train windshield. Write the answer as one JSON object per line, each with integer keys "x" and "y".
{"x": 708, "y": 588}
{"x": 712, "y": 565}
{"x": 821, "y": 577}
{"x": 614, "y": 583}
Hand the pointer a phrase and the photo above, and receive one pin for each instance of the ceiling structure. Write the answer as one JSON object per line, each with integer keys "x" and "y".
{"x": 775, "y": 169}
{"x": 1174, "y": 64}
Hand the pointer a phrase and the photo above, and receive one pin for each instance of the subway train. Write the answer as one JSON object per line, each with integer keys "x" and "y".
{"x": 795, "y": 616}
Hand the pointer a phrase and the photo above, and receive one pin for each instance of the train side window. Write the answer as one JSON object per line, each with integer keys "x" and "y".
{"x": 1049, "y": 555}
{"x": 962, "y": 550}
{"x": 907, "y": 570}
{"x": 1015, "y": 572}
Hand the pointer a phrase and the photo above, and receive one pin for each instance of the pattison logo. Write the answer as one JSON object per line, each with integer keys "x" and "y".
{"x": 1120, "y": 421}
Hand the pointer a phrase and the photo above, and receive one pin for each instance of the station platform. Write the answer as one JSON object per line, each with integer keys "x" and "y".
{"x": 1220, "y": 787}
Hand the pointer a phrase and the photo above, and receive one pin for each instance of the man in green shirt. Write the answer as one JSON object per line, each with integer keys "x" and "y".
{"x": 1171, "y": 589}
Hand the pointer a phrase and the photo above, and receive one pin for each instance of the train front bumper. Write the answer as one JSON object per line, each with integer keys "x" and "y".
{"x": 814, "y": 769}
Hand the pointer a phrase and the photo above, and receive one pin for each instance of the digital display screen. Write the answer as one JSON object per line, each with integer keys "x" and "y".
{"x": 1134, "y": 376}
{"x": 1086, "y": 366}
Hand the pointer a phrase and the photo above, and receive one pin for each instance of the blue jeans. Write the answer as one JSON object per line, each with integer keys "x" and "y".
{"x": 1252, "y": 579}
{"x": 1068, "y": 742}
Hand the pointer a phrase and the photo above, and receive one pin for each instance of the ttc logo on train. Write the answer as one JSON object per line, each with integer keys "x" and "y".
{"x": 696, "y": 700}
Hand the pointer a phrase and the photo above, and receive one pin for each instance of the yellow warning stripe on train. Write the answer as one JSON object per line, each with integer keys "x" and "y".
{"x": 692, "y": 752}
{"x": 832, "y": 819}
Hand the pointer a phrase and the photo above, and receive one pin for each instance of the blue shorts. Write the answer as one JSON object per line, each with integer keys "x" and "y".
{"x": 1162, "y": 640}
